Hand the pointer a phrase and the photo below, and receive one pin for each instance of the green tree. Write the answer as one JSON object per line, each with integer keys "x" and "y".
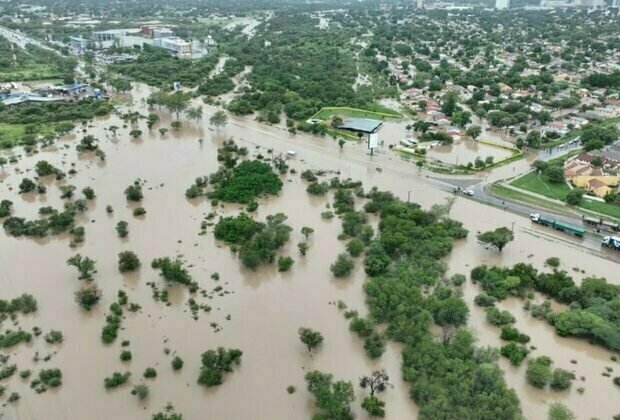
{"x": 343, "y": 266}
{"x": 538, "y": 372}
{"x": 195, "y": 113}
{"x": 474, "y": 131}
{"x": 575, "y": 196}
{"x": 310, "y": 338}
{"x": 84, "y": 265}
{"x": 151, "y": 120}
{"x": 374, "y": 406}
{"x": 88, "y": 297}
{"x": 176, "y": 125}
{"x": 176, "y": 102}
{"x": 219, "y": 119}
{"x": 128, "y": 261}
{"x": 307, "y": 231}
{"x": 558, "y": 411}
{"x": 217, "y": 362}
{"x": 498, "y": 238}
{"x": 341, "y": 143}
{"x": 333, "y": 399}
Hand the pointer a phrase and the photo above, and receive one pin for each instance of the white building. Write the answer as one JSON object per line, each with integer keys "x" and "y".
{"x": 163, "y": 33}
{"x": 502, "y": 4}
{"x": 175, "y": 45}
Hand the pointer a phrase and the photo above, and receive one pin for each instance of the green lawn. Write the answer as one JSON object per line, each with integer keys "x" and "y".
{"x": 10, "y": 134}
{"x": 32, "y": 72}
{"x": 538, "y": 184}
{"x": 612, "y": 210}
{"x": 375, "y": 113}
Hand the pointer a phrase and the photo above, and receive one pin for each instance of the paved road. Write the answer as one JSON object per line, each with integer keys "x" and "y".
{"x": 21, "y": 39}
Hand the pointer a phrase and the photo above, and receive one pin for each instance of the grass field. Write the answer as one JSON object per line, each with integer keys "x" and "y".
{"x": 10, "y": 134}
{"x": 378, "y": 112}
{"x": 32, "y": 72}
{"x": 538, "y": 184}
{"x": 586, "y": 207}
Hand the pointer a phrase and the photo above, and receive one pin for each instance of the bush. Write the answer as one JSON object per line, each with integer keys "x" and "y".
{"x": 484, "y": 300}
{"x": 121, "y": 229}
{"x": 553, "y": 262}
{"x": 374, "y": 345}
{"x": 128, "y": 261}
{"x": 172, "y": 270}
{"x": 499, "y": 318}
{"x": 355, "y": 247}
{"x": 575, "y": 196}
{"x": 125, "y": 356}
{"x": 141, "y": 391}
{"x": 291, "y": 389}
{"x": 139, "y": 211}
{"x": 363, "y": 327}
{"x": 318, "y": 188}
{"x": 514, "y": 352}
{"x": 510, "y": 333}
{"x": 134, "y": 192}
{"x": 374, "y": 406}
{"x": 285, "y": 263}
{"x": 561, "y": 379}
{"x": 88, "y": 297}
{"x": 177, "y": 363}
{"x": 54, "y": 337}
{"x": 458, "y": 279}
{"x": 217, "y": 362}
{"x": 343, "y": 266}
{"x": 538, "y": 372}
{"x": 150, "y": 373}
{"x": 117, "y": 379}
{"x": 249, "y": 180}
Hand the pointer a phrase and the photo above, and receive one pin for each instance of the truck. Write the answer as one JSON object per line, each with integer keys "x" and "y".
{"x": 600, "y": 223}
{"x": 557, "y": 225}
{"x": 612, "y": 242}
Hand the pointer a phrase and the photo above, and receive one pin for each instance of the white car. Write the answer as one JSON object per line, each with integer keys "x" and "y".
{"x": 468, "y": 192}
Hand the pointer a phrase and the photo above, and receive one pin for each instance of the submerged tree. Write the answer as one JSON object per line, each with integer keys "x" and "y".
{"x": 84, "y": 265}
{"x": 219, "y": 119}
{"x": 333, "y": 399}
{"x": 498, "y": 238}
{"x": 310, "y": 338}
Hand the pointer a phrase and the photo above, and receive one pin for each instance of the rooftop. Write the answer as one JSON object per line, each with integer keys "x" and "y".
{"x": 364, "y": 125}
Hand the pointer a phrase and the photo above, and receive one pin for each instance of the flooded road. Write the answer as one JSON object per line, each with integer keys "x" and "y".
{"x": 266, "y": 307}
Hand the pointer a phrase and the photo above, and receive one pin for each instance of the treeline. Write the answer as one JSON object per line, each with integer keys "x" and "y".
{"x": 602, "y": 80}
{"x": 82, "y": 110}
{"x": 449, "y": 376}
{"x": 156, "y": 67}
{"x": 594, "y": 304}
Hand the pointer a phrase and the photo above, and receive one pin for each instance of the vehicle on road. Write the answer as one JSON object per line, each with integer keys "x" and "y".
{"x": 600, "y": 223}
{"x": 612, "y": 242}
{"x": 557, "y": 225}
{"x": 463, "y": 191}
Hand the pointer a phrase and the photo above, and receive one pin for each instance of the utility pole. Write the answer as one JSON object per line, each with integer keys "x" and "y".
{"x": 408, "y": 196}
{"x": 513, "y": 227}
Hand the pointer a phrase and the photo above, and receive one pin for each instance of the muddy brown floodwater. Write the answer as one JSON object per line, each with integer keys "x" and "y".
{"x": 266, "y": 307}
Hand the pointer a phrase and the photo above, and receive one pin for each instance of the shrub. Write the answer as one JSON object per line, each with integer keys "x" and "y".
{"x": 150, "y": 373}
{"x": 355, "y": 247}
{"x": 172, "y": 270}
{"x": 343, "y": 266}
{"x": 51, "y": 377}
{"x": 125, "y": 356}
{"x": 139, "y": 211}
{"x": 217, "y": 362}
{"x": 285, "y": 263}
{"x": 561, "y": 379}
{"x": 538, "y": 372}
{"x": 134, "y": 192}
{"x": 458, "y": 279}
{"x": 374, "y": 345}
{"x": 141, "y": 391}
{"x": 484, "y": 300}
{"x": 117, "y": 379}
{"x": 291, "y": 389}
{"x": 499, "y": 318}
{"x": 318, "y": 188}
{"x": 510, "y": 333}
{"x": 121, "y": 229}
{"x": 514, "y": 352}
{"x": 54, "y": 337}
{"x": 362, "y": 326}
{"x": 128, "y": 261}
{"x": 88, "y": 297}
{"x": 177, "y": 363}
{"x": 553, "y": 262}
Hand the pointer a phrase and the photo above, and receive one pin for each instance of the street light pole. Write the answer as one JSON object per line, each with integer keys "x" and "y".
{"x": 408, "y": 196}
{"x": 513, "y": 227}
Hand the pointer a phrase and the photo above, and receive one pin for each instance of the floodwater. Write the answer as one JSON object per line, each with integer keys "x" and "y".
{"x": 266, "y": 307}
{"x": 465, "y": 150}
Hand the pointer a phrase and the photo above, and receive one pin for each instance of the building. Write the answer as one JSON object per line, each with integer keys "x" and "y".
{"x": 502, "y": 4}
{"x": 175, "y": 45}
{"x": 419, "y": 4}
{"x": 79, "y": 44}
{"x": 599, "y": 186}
{"x": 163, "y": 33}
{"x": 107, "y": 39}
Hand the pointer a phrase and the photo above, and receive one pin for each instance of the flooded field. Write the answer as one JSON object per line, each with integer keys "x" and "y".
{"x": 258, "y": 312}
{"x": 464, "y": 151}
